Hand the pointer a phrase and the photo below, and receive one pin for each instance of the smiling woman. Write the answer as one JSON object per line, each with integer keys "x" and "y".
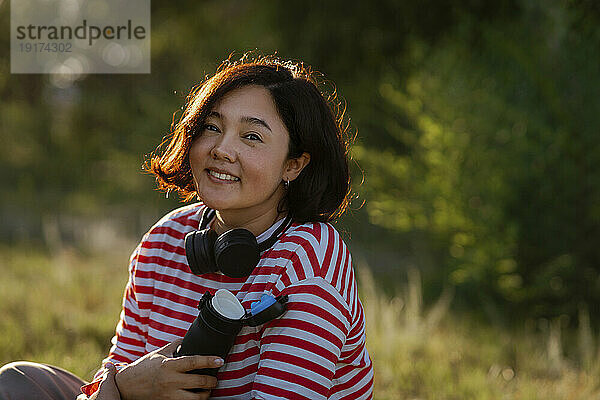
{"x": 239, "y": 159}
{"x": 292, "y": 109}
{"x": 260, "y": 148}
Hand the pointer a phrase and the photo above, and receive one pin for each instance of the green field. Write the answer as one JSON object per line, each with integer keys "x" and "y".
{"x": 62, "y": 308}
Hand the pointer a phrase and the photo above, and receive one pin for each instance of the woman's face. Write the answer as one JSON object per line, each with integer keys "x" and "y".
{"x": 240, "y": 158}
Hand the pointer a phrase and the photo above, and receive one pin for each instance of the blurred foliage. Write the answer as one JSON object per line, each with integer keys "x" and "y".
{"x": 501, "y": 144}
{"x": 477, "y": 135}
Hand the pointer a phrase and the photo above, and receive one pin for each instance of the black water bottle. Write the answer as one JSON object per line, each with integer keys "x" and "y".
{"x": 219, "y": 321}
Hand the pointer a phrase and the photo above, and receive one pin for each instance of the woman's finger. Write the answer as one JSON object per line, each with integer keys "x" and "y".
{"x": 189, "y": 363}
{"x": 195, "y": 381}
{"x": 108, "y": 388}
{"x": 170, "y": 348}
{"x": 187, "y": 395}
{"x": 203, "y": 395}
{"x": 112, "y": 370}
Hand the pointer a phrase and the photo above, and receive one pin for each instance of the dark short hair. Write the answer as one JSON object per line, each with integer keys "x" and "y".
{"x": 322, "y": 190}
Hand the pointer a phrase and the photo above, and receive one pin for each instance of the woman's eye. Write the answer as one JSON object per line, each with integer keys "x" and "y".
{"x": 253, "y": 136}
{"x": 210, "y": 127}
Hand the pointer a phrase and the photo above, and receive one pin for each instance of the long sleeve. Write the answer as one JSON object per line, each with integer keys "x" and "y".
{"x": 316, "y": 350}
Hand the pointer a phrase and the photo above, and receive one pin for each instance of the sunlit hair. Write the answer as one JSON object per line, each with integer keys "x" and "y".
{"x": 322, "y": 190}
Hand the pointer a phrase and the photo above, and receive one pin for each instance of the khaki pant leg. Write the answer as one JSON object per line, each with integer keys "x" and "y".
{"x": 24, "y": 380}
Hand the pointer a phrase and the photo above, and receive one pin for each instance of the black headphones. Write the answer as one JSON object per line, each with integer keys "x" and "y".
{"x": 235, "y": 253}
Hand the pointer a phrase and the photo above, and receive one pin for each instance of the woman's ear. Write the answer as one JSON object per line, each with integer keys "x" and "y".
{"x": 294, "y": 166}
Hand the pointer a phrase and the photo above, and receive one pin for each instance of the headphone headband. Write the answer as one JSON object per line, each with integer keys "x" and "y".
{"x": 209, "y": 213}
{"x": 275, "y": 236}
{"x": 235, "y": 252}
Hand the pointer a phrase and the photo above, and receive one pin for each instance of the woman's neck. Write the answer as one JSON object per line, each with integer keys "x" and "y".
{"x": 257, "y": 224}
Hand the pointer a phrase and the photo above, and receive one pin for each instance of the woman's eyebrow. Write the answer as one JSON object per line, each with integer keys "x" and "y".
{"x": 246, "y": 120}
{"x": 256, "y": 121}
{"x": 214, "y": 114}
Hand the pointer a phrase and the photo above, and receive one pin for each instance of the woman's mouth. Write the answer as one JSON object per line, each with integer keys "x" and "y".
{"x": 222, "y": 176}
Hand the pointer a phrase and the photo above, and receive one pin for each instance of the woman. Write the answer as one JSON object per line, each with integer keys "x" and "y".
{"x": 257, "y": 143}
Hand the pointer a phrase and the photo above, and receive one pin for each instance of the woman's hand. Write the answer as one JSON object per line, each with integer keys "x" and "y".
{"x": 108, "y": 388}
{"x": 159, "y": 376}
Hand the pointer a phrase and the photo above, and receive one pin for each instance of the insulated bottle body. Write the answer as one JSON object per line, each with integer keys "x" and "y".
{"x": 211, "y": 334}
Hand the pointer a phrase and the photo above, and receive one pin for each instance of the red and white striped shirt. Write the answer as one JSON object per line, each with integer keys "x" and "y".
{"x": 316, "y": 350}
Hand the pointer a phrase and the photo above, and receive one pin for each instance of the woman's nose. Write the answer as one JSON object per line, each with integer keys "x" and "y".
{"x": 224, "y": 150}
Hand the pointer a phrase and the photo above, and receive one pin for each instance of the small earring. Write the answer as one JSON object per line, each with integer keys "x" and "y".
{"x": 286, "y": 184}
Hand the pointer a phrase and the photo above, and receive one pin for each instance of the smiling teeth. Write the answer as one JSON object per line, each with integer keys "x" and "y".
{"x": 225, "y": 177}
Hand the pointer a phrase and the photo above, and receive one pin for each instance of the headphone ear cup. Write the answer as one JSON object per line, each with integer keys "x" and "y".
{"x": 190, "y": 253}
{"x": 199, "y": 251}
{"x": 236, "y": 253}
{"x": 205, "y": 251}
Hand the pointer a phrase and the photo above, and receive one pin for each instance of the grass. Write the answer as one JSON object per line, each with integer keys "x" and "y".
{"x": 433, "y": 354}
{"x": 61, "y": 309}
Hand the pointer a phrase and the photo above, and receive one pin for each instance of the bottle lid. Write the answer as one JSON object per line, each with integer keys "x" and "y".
{"x": 227, "y": 308}
{"x": 266, "y": 309}
{"x": 226, "y": 304}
